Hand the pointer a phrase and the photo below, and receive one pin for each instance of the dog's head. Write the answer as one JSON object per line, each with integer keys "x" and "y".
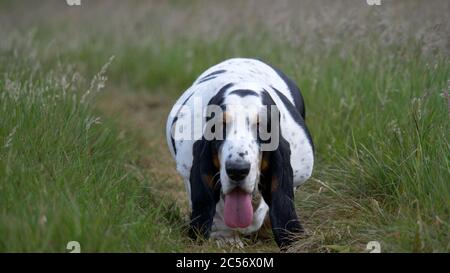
{"x": 242, "y": 151}
{"x": 243, "y": 120}
{"x": 244, "y": 129}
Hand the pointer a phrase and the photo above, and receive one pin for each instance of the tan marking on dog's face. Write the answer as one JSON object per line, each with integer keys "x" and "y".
{"x": 208, "y": 179}
{"x": 274, "y": 185}
{"x": 216, "y": 161}
{"x": 226, "y": 117}
{"x": 264, "y": 162}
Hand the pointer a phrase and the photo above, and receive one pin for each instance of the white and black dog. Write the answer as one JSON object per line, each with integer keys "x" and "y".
{"x": 239, "y": 134}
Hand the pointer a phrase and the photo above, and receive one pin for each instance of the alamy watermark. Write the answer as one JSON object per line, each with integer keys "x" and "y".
{"x": 373, "y": 2}
{"x": 373, "y": 247}
{"x": 214, "y": 123}
{"x": 74, "y": 247}
{"x": 73, "y": 2}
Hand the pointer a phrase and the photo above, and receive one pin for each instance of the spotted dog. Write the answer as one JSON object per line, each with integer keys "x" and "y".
{"x": 239, "y": 180}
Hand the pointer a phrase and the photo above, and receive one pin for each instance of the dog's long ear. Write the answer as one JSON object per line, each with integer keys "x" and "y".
{"x": 277, "y": 188}
{"x": 204, "y": 180}
{"x": 205, "y": 189}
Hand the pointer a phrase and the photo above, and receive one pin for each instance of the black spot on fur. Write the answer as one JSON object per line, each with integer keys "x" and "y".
{"x": 243, "y": 92}
{"x": 211, "y": 76}
{"x": 172, "y": 140}
{"x": 206, "y": 79}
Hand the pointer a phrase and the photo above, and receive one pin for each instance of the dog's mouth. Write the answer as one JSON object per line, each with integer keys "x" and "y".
{"x": 238, "y": 210}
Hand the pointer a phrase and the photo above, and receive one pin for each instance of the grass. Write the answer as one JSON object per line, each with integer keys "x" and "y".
{"x": 94, "y": 167}
{"x": 66, "y": 174}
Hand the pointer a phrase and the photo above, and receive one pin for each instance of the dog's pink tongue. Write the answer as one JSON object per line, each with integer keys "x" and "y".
{"x": 238, "y": 211}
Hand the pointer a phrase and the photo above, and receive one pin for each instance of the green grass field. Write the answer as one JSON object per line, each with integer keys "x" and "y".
{"x": 85, "y": 91}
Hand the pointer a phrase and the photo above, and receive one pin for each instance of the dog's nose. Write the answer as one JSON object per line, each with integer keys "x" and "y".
{"x": 237, "y": 170}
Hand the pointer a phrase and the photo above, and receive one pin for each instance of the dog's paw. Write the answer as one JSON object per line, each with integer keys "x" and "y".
{"x": 227, "y": 239}
{"x": 233, "y": 242}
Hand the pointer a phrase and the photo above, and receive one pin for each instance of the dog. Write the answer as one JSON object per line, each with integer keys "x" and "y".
{"x": 236, "y": 179}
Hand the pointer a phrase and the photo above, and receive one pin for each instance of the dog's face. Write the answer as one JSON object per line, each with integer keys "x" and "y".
{"x": 241, "y": 128}
{"x": 244, "y": 126}
{"x": 239, "y": 154}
